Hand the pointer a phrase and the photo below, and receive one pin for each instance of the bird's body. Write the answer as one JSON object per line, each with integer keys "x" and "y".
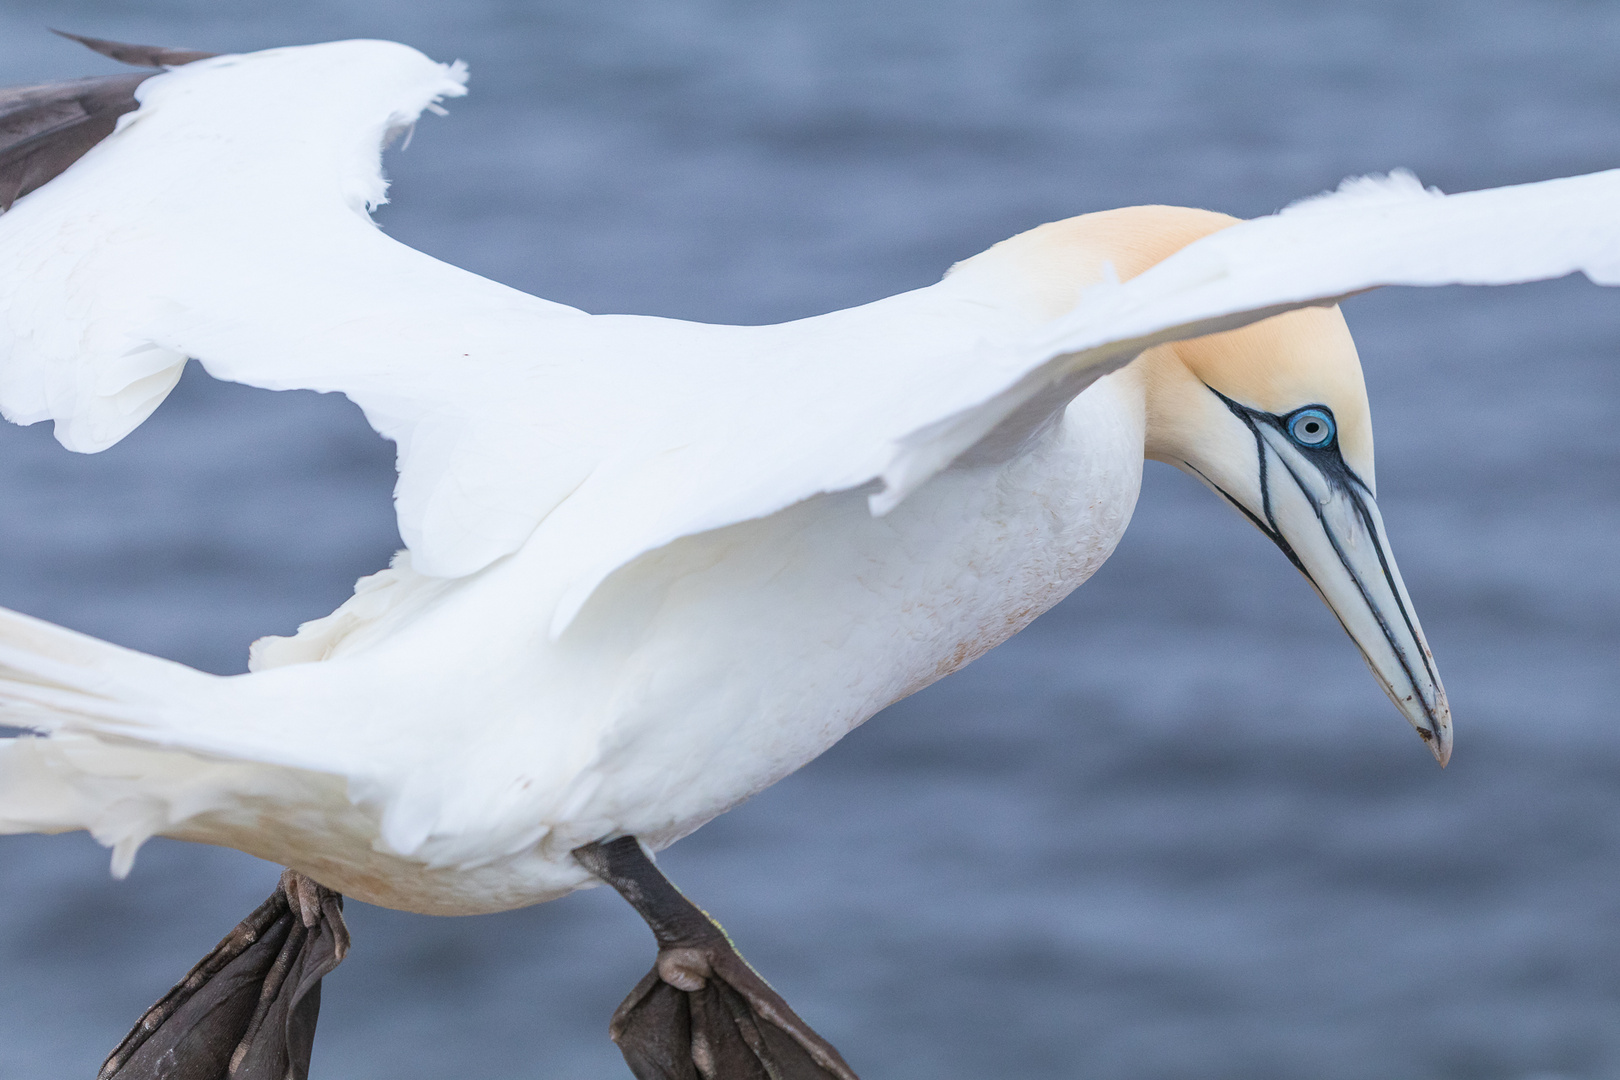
{"x": 653, "y": 566}
{"x": 715, "y": 667}
{"x": 441, "y": 743}
{"x": 697, "y": 676}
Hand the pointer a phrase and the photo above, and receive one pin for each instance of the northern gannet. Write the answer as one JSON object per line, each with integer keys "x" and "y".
{"x": 651, "y": 566}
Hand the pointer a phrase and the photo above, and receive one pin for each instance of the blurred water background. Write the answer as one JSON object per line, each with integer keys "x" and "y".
{"x": 1173, "y": 830}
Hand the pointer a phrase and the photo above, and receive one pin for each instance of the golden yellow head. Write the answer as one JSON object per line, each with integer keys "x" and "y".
{"x": 1272, "y": 416}
{"x": 1302, "y": 359}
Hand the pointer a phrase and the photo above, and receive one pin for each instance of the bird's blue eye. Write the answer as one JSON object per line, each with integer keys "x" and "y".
{"x": 1311, "y": 427}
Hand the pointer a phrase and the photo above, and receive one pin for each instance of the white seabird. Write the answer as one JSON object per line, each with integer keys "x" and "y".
{"x": 652, "y": 566}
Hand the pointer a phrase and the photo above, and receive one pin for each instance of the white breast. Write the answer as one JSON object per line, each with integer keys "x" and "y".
{"x": 781, "y": 635}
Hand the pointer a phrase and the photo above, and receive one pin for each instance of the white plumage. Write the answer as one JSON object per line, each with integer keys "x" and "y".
{"x": 653, "y": 566}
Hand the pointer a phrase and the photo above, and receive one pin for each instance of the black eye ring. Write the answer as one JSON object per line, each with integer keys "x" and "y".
{"x": 1312, "y": 428}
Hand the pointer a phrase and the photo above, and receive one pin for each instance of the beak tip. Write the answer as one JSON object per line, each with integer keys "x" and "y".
{"x": 1438, "y": 734}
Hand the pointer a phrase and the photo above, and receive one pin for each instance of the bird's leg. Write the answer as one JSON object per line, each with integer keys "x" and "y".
{"x": 702, "y": 1013}
{"x": 247, "y": 1011}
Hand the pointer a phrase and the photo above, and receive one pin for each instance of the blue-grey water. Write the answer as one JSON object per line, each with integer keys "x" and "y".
{"x": 1172, "y": 831}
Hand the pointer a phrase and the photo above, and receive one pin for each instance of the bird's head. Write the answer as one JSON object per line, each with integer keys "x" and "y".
{"x": 1274, "y": 417}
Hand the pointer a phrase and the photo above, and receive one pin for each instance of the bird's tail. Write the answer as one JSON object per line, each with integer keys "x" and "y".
{"x": 94, "y": 756}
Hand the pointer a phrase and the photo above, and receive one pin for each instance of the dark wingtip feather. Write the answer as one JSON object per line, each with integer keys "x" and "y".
{"x": 153, "y": 56}
{"x": 44, "y": 129}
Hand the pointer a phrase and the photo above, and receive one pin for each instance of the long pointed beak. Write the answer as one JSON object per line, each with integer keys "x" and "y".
{"x": 1325, "y": 519}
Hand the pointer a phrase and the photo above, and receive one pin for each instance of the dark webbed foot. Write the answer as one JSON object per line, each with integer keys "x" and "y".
{"x": 701, "y": 1012}
{"x": 247, "y": 1011}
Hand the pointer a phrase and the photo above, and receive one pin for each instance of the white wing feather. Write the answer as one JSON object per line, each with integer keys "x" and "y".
{"x": 226, "y": 221}
{"x": 1373, "y": 232}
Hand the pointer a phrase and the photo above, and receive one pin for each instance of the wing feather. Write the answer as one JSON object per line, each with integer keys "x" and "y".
{"x": 1372, "y": 233}
{"x": 226, "y": 221}
{"x": 46, "y": 128}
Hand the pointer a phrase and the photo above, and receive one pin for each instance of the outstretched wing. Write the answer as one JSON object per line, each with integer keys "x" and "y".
{"x": 226, "y": 220}
{"x": 1372, "y": 232}
{"x": 913, "y": 407}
